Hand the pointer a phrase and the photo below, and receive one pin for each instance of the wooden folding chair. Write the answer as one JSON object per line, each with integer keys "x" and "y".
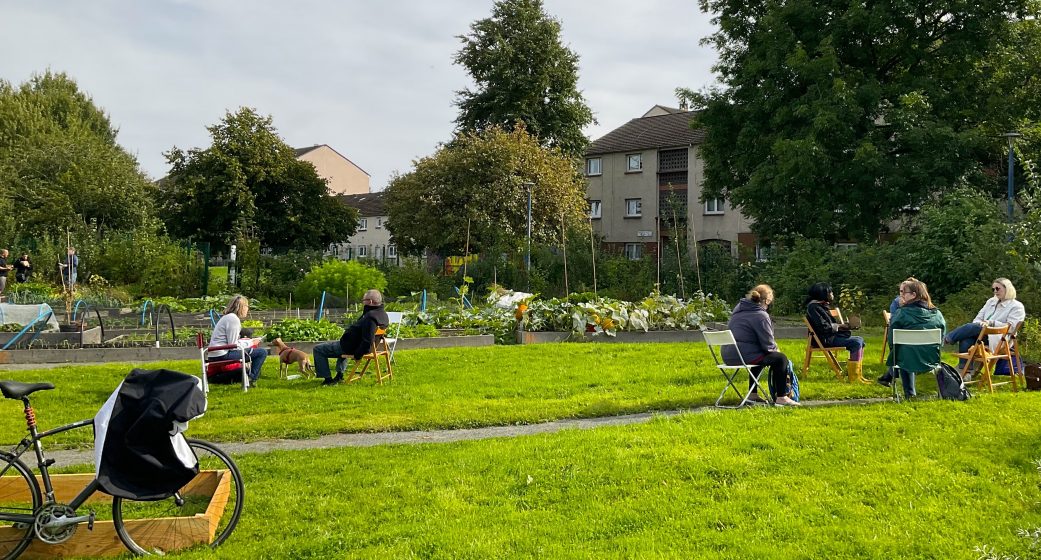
{"x": 1016, "y": 367}
{"x": 986, "y": 355}
{"x": 815, "y": 346}
{"x": 718, "y": 339}
{"x": 885, "y": 339}
{"x": 379, "y": 350}
{"x": 908, "y": 337}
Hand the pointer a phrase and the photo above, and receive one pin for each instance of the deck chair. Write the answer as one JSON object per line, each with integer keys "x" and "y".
{"x": 885, "y": 336}
{"x": 219, "y": 367}
{"x": 719, "y": 339}
{"x": 909, "y": 337}
{"x": 815, "y": 346}
{"x": 986, "y": 352}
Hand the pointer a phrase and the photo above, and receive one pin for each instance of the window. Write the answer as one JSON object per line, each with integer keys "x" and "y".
{"x": 363, "y": 251}
{"x": 594, "y": 209}
{"x": 633, "y": 162}
{"x": 392, "y": 251}
{"x": 379, "y": 223}
{"x": 763, "y": 252}
{"x": 714, "y": 206}
{"x": 633, "y": 208}
{"x": 379, "y": 253}
{"x": 347, "y": 253}
{"x": 363, "y": 224}
{"x": 846, "y": 246}
{"x": 593, "y": 166}
{"x": 634, "y": 251}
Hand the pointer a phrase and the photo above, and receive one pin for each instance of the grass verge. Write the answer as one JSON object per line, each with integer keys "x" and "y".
{"x": 438, "y": 389}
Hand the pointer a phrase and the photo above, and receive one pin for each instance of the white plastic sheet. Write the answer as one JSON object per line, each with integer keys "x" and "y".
{"x": 26, "y": 314}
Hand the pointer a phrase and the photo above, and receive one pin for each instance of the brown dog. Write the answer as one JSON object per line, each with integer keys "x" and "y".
{"x": 288, "y": 355}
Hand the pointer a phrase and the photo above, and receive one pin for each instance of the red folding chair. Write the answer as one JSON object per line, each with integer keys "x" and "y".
{"x": 217, "y": 367}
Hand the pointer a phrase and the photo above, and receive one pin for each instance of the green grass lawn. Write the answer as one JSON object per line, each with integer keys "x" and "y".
{"x": 929, "y": 479}
{"x": 450, "y": 388}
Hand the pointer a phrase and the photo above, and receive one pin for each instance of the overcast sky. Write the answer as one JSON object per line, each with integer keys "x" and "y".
{"x": 372, "y": 79}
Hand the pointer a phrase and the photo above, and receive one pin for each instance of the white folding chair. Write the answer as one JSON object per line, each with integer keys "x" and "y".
{"x": 719, "y": 339}
{"x": 395, "y": 318}
{"x": 909, "y": 337}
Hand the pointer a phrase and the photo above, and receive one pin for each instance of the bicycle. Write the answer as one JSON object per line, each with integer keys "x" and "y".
{"x": 144, "y": 527}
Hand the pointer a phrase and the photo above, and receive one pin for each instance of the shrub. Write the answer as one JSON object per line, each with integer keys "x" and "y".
{"x": 346, "y": 279}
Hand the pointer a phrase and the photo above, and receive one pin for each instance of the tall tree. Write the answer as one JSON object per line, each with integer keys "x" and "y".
{"x": 248, "y": 183}
{"x": 836, "y": 114}
{"x": 60, "y": 164}
{"x": 483, "y": 179}
{"x": 522, "y": 72}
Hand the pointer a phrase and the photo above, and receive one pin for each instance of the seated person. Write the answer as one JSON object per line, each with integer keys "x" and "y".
{"x": 832, "y": 333}
{"x": 229, "y": 331}
{"x": 1000, "y": 310}
{"x": 356, "y": 340}
{"x": 917, "y": 312}
{"x": 754, "y": 333}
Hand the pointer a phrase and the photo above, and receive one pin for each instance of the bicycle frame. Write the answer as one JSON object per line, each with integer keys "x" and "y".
{"x": 43, "y": 463}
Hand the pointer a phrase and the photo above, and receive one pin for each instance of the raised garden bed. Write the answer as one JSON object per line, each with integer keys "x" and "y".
{"x": 103, "y": 541}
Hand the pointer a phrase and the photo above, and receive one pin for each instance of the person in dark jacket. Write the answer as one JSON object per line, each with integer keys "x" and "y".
{"x": 355, "y": 342}
{"x": 917, "y": 312}
{"x": 754, "y": 332}
{"x": 831, "y": 332}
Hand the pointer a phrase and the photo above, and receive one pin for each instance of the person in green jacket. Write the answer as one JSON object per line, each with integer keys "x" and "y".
{"x": 916, "y": 312}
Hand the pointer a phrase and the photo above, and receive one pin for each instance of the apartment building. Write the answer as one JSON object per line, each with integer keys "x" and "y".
{"x": 340, "y": 173}
{"x": 644, "y": 181}
{"x": 372, "y": 240}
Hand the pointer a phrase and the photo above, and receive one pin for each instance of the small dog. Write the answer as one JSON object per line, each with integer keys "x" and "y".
{"x": 288, "y": 355}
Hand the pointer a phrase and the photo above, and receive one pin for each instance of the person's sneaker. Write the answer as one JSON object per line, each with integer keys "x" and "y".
{"x": 786, "y": 401}
{"x": 332, "y": 380}
{"x": 755, "y": 398}
{"x": 885, "y": 381}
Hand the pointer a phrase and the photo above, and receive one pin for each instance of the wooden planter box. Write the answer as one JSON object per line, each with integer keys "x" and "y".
{"x": 103, "y": 541}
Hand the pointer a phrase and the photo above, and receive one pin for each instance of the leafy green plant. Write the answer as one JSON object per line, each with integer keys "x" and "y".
{"x": 852, "y": 300}
{"x": 418, "y": 331}
{"x": 300, "y": 330}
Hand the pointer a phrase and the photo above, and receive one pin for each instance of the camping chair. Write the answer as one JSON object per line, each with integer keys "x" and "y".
{"x": 815, "y": 346}
{"x": 909, "y": 337}
{"x": 986, "y": 354}
{"x": 210, "y": 369}
{"x": 718, "y": 339}
{"x": 395, "y": 318}
{"x": 885, "y": 340}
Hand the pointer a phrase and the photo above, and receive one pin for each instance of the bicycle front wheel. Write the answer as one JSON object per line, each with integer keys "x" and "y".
{"x": 19, "y": 499}
{"x": 204, "y": 511}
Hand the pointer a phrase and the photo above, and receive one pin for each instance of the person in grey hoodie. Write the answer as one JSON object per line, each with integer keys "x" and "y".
{"x": 754, "y": 332}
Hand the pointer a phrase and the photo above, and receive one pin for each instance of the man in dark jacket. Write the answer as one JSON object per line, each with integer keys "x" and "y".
{"x": 355, "y": 342}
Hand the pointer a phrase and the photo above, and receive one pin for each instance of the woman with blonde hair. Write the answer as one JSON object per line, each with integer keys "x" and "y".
{"x": 753, "y": 331}
{"x": 1000, "y": 310}
{"x": 229, "y": 331}
{"x": 917, "y": 312}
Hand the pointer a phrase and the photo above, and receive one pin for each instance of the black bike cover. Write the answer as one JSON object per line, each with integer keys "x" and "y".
{"x": 139, "y": 452}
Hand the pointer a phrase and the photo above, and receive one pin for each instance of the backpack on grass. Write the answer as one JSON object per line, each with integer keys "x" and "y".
{"x": 950, "y": 383}
{"x": 792, "y": 390}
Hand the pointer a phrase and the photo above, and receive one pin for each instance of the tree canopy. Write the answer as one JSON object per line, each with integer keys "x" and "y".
{"x": 248, "y": 183}
{"x": 483, "y": 178}
{"x": 60, "y": 165}
{"x": 522, "y": 72}
{"x": 835, "y": 115}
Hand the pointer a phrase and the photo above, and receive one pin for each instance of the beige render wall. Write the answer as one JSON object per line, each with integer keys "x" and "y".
{"x": 614, "y": 187}
{"x": 343, "y": 176}
{"x": 706, "y": 227}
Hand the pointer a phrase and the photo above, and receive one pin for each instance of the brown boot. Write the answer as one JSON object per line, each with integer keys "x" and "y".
{"x": 855, "y": 370}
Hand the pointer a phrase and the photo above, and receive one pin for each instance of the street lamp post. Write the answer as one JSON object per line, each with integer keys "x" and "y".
{"x": 527, "y": 258}
{"x": 1011, "y": 136}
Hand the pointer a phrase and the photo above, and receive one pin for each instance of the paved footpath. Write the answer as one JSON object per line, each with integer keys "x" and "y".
{"x": 76, "y": 457}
